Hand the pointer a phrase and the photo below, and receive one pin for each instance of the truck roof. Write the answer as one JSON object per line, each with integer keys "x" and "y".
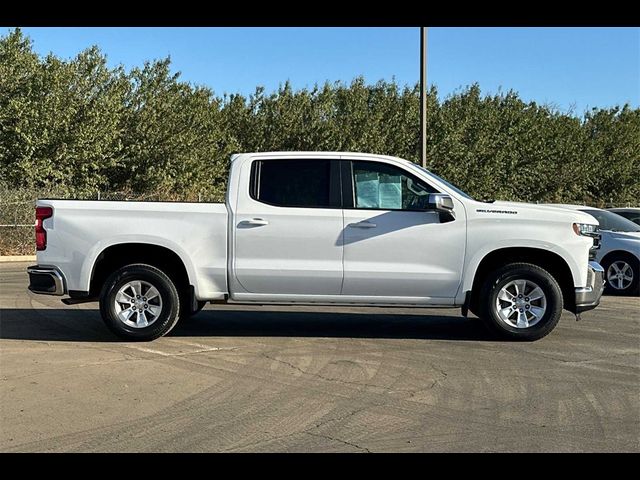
{"x": 310, "y": 154}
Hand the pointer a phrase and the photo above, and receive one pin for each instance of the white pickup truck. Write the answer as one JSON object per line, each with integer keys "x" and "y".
{"x": 320, "y": 228}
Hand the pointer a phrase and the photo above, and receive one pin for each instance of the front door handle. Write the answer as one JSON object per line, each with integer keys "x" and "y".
{"x": 364, "y": 224}
{"x": 255, "y": 222}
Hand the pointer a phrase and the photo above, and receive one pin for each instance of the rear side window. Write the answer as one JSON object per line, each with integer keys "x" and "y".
{"x": 310, "y": 183}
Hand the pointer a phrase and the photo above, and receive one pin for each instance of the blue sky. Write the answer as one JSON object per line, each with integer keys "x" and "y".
{"x": 575, "y": 68}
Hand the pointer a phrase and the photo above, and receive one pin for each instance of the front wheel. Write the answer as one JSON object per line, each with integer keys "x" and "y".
{"x": 622, "y": 274}
{"x": 521, "y": 301}
{"x": 139, "y": 302}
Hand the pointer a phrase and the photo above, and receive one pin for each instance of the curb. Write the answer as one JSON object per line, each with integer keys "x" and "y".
{"x": 17, "y": 258}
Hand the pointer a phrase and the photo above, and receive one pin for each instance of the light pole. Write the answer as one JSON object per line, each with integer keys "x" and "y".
{"x": 423, "y": 97}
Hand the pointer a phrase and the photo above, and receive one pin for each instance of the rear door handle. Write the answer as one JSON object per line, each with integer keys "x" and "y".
{"x": 255, "y": 222}
{"x": 364, "y": 224}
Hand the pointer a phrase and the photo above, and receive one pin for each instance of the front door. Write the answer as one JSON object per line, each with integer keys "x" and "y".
{"x": 394, "y": 246}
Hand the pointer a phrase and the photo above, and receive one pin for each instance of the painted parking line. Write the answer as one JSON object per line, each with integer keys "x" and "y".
{"x": 179, "y": 354}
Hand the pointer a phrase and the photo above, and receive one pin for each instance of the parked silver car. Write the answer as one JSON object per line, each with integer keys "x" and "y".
{"x": 629, "y": 213}
{"x": 619, "y": 253}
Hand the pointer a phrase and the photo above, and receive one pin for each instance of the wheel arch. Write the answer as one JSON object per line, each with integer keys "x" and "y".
{"x": 618, "y": 253}
{"x": 548, "y": 260}
{"x": 118, "y": 255}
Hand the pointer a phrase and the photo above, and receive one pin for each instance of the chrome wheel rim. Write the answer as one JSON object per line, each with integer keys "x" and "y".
{"x": 620, "y": 275}
{"x": 521, "y": 303}
{"x": 138, "y": 304}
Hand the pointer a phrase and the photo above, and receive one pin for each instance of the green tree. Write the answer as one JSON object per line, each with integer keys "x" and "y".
{"x": 76, "y": 126}
{"x": 59, "y": 120}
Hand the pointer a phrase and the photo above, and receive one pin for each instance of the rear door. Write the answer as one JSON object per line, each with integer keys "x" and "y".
{"x": 288, "y": 229}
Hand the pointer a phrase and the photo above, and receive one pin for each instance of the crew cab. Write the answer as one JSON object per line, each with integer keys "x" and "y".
{"x": 321, "y": 228}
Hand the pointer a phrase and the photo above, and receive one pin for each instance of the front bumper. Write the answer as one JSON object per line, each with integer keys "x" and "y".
{"x": 46, "y": 280}
{"x": 588, "y": 297}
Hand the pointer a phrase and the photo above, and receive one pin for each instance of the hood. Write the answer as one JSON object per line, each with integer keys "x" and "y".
{"x": 622, "y": 235}
{"x": 543, "y": 211}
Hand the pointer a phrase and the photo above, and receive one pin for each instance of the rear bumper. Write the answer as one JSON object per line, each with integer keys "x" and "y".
{"x": 46, "y": 280}
{"x": 588, "y": 297}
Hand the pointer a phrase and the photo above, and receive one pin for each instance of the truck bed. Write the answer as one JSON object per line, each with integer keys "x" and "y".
{"x": 80, "y": 230}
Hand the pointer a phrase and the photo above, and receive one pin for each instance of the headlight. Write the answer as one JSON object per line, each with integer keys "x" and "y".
{"x": 586, "y": 229}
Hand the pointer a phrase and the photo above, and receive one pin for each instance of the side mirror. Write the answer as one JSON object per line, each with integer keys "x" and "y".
{"x": 440, "y": 202}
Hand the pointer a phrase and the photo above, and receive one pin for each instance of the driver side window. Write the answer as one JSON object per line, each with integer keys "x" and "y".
{"x": 386, "y": 187}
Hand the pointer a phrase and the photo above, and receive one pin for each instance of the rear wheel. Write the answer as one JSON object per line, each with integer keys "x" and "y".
{"x": 139, "y": 302}
{"x": 520, "y": 301}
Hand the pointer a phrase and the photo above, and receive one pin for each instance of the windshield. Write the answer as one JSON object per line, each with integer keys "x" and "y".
{"x": 452, "y": 187}
{"x": 613, "y": 222}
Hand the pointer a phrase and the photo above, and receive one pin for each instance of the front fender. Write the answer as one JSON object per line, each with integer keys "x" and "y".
{"x": 577, "y": 265}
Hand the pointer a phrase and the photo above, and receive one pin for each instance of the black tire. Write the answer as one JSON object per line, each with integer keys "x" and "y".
{"x": 496, "y": 280}
{"x": 634, "y": 287}
{"x": 167, "y": 317}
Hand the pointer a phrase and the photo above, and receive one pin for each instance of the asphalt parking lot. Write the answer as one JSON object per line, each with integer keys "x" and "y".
{"x": 308, "y": 379}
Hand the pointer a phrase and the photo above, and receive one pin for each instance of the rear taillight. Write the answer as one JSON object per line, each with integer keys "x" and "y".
{"x": 42, "y": 213}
